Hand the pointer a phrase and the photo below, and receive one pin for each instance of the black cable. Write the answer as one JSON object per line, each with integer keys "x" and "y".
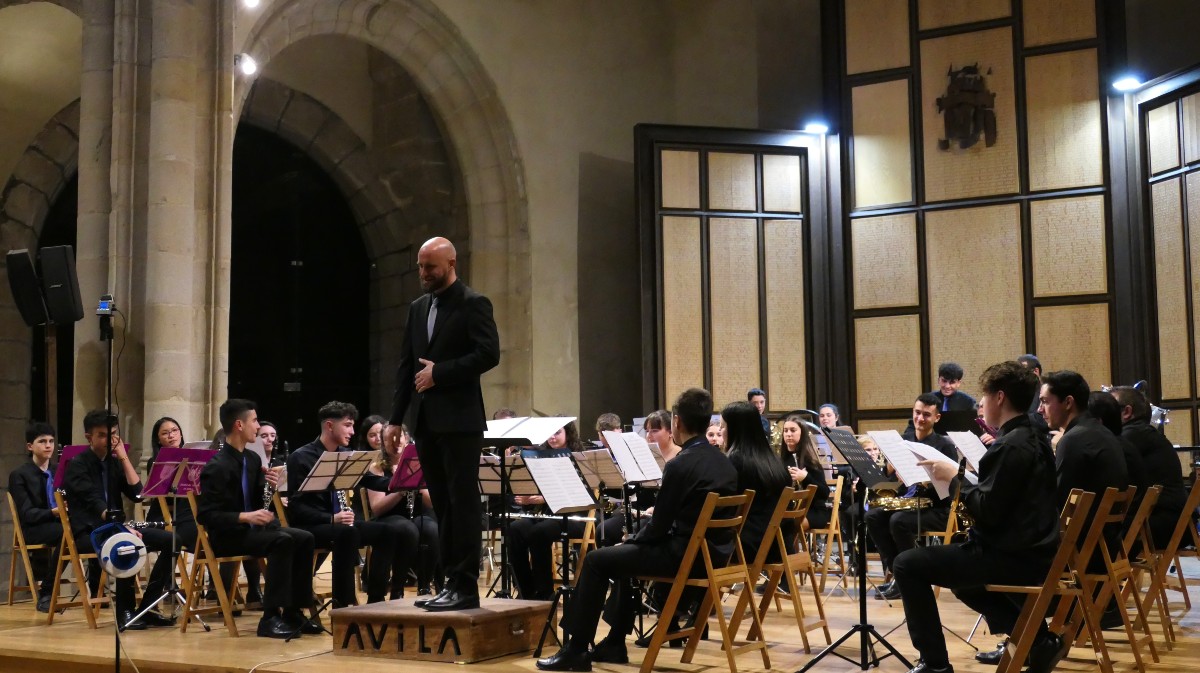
{"x": 117, "y": 365}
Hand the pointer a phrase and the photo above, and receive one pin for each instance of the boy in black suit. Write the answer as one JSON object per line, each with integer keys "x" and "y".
{"x": 32, "y": 489}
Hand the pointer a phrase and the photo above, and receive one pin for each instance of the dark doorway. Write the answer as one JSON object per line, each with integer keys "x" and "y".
{"x": 58, "y": 228}
{"x": 298, "y": 306}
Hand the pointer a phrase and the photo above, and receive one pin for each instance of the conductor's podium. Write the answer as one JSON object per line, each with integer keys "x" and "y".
{"x": 398, "y": 630}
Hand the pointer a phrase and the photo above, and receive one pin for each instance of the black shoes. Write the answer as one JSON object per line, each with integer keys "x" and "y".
{"x": 127, "y": 623}
{"x": 1047, "y": 651}
{"x": 454, "y": 600}
{"x": 43, "y": 603}
{"x": 610, "y": 652}
{"x": 923, "y": 667}
{"x": 296, "y": 621}
{"x": 156, "y": 619}
{"x": 991, "y": 657}
{"x": 566, "y": 659}
{"x": 421, "y": 603}
{"x": 273, "y": 626}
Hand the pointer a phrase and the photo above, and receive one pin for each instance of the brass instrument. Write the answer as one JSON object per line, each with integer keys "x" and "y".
{"x": 895, "y": 503}
{"x": 965, "y": 522}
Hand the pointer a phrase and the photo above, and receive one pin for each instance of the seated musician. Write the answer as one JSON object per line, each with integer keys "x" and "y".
{"x": 328, "y": 517}
{"x": 409, "y": 513}
{"x": 95, "y": 481}
{"x": 799, "y": 455}
{"x": 657, "y": 427}
{"x": 896, "y": 531}
{"x": 1159, "y": 458}
{"x": 828, "y": 416}
{"x": 657, "y": 549}
{"x": 1014, "y": 536}
{"x": 231, "y": 508}
{"x": 758, "y": 468}
{"x": 32, "y": 488}
{"x": 715, "y": 435}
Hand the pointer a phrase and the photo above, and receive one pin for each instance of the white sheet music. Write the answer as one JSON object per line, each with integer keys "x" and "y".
{"x": 624, "y": 457}
{"x": 650, "y": 468}
{"x": 536, "y": 429}
{"x": 970, "y": 446}
{"x": 658, "y": 457}
{"x": 560, "y": 485}
{"x": 257, "y": 447}
{"x": 598, "y": 468}
{"x": 902, "y": 459}
{"x": 930, "y": 453}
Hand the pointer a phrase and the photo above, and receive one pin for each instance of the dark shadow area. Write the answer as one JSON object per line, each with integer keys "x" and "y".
{"x": 58, "y": 229}
{"x": 298, "y": 307}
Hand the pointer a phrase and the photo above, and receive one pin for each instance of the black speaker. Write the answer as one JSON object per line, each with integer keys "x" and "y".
{"x": 26, "y": 288}
{"x": 60, "y": 285}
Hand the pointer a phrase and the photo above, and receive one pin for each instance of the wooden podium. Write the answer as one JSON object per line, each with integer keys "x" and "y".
{"x": 398, "y": 630}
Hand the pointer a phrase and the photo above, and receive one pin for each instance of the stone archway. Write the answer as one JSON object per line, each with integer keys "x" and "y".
{"x": 417, "y": 36}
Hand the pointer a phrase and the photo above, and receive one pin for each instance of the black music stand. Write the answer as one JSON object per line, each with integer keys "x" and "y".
{"x": 871, "y": 475}
{"x": 496, "y": 478}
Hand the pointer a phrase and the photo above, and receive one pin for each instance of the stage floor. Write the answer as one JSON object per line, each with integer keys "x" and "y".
{"x": 28, "y": 645}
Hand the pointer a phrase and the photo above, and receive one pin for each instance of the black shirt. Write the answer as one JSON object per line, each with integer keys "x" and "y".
{"x": 1161, "y": 464}
{"x": 699, "y": 469}
{"x": 1089, "y": 457}
{"x": 95, "y": 486}
{"x": 221, "y": 499}
{"x": 766, "y": 495}
{"x": 815, "y": 477}
{"x": 947, "y": 448}
{"x": 316, "y": 507}
{"x": 1013, "y": 505}
{"x": 27, "y": 484}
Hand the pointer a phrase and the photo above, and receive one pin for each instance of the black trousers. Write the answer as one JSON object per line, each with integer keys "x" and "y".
{"x": 450, "y": 462}
{"x": 895, "y": 532}
{"x": 964, "y": 569}
{"x": 49, "y": 533}
{"x": 155, "y": 539}
{"x": 289, "y": 554}
{"x": 616, "y": 565}
{"x": 407, "y": 537}
{"x": 345, "y": 541}
{"x": 531, "y": 550}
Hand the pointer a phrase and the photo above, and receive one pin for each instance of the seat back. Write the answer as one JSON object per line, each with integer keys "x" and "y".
{"x": 792, "y": 506}
{"x": 280, "y": 509}
{"x": 20, "y": 551}
{"x": 1111, "y": 512}
{"x": 1137, "y": 525}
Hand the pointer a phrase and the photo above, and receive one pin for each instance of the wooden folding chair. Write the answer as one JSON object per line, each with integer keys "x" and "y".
{"x": 1189, "y": 547}
{"x": 69, "y": 556}
{"x": 584, "y": 543}
{"x": 1141, "y": 562}
{"x": 831, "y": 532}
{"x": 206, "y": 560}
{"x": 716, "y": 578}
{"x": 1156, "y": 562}
{"x": 793, "y": 506}
{"x": 281, "y": 512}
{"x": 1057, "y": 583}
{"x": 20, "y": 551}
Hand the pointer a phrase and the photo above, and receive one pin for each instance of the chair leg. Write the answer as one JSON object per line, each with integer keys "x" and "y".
{"x": 664, "y": 625}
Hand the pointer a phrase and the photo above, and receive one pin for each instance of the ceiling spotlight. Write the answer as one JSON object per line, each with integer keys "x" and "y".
{"x": 250, "y": 4}
{"x": 246, "y": 64}
{"x": 1126, "y": 83}
{"x": 816, "y": 128}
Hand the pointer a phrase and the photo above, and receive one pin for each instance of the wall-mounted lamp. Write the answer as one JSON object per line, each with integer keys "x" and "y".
{"x": 816, "y": 128}
{"x": 1126, "y": 83}
{"x": 246, "y": 64}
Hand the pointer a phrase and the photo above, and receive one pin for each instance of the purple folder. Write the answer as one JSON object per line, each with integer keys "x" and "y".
{"x": 162, "y": 474}
{"x": 69, "y": 452}
{"x": 408, "y": 474}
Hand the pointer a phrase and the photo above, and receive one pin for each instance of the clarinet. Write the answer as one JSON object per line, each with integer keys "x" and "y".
{"x": 342, "y": 503}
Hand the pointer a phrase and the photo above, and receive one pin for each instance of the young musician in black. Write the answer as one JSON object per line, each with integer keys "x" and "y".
{"x": 231, "y": 508}
{"x": 658, "y": 547}
{"x": 1014, "y": 536}
{"x": 330, "y": 520}
{"x": 95, "y": 481}
{"x": 1159, "y": 458}
{"x": 32, "y": 489}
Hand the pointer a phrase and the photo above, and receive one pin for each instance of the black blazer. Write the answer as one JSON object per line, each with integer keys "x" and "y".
{"x": 27, "y": 484}
{"x": 315, "y": 507}
{"x": 85, "y": 490}
{"x": 465, "y": 344}
{"x": 220, "y": 500}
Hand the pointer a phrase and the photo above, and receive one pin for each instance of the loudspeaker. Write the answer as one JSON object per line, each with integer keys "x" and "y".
{"x": 26, "y": 288}
{"x": 60, "y": 285}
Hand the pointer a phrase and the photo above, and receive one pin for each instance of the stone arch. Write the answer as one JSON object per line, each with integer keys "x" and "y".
{"x": 46, "y": 166}
{"x": 417, "y": 36}
{"x": 69, "y": 5}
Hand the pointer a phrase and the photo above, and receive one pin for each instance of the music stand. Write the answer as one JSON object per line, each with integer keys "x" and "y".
{"x": 600, "y": 473}
{"x": 496, "y": 477}
{"x": 66, "y": 456}
{"x": 871, "y": 475}
{"x": 174, "y": 475}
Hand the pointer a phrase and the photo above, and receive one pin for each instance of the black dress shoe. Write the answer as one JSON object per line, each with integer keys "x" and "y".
{"x": 156, "y": 619}
{"x": 426, "y": 601}
{"x": 1046, "y": 652}
{"x": 566, "y": 660}
{"x": 923, "y": 667}
{"x": 454, "y": 601}
{"x": 610, "y": 652}
{"x": 43, "y": 604}
{"x": 891, "y": 594}
{"x": 991, "y": 657}
{"x": 273, "y": 626}
{"x": 127, "y": 623}
{"x": 296, "y": 621}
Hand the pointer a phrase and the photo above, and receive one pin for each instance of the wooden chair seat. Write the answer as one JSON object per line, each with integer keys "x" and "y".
{"x": 832, "y": 532}
{"x": 1156, "y": 562}
{"x": 69, "y": 556}
{"x": 21, "y": 550}
{"x": 205, "y": 560}
{"x": 319, "y": 553}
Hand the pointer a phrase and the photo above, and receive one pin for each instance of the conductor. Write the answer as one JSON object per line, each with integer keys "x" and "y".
{"x": 450, "y": 340}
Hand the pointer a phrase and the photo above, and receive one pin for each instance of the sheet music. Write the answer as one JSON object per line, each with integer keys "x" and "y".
{"x": 902, "y": 459}
{"x": 597, "y": 467}
{"x": 560, "y": 485}
{"x": 536, "y": 429}
{"x": 257, "y": 447}
{"x": 658, "y": 457}
{"x": 641, "y": 453}
{"x": 970, "y": 446}
{"x": 930, "y": 453}
{"x": 501, "y": 426}
{"x": 624, "y": 457}
{"x": 971, "y": 478}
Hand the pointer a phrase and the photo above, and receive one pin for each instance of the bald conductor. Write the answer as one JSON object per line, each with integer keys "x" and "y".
{"x": 450, "y": 340}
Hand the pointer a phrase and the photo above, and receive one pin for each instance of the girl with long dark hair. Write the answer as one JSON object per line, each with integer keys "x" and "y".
{"x": 799, "y": 456}
{"x": 758, "y": 468}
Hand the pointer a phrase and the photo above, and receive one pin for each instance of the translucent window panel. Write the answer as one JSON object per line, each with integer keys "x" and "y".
{"x": 876, "y": 35}
{"x": 938, "y": 13}
{"x": 882, "y": 144}
{"x": 887, "y": 356}
{"x": 733, "y": 292}
{"x": 1167, "y": 213}
{"x": 1075, "y": 337}
{"x": 1179, "y": 430}
{"x": 1075, "y": 225}
{"x": 1191, "y": 128}
{"x": 1192, "y": 182}
{"x": 1063, "y": 116}
{"x": 787, "y": 373}
{"x": 1163, "y": 131}
{"x": 781, "y": 183}
{"x": 680, "y": 179}
{"x": 884, "y": 257}
{"x": 731, "y": 181}
{"x": 1058, "y": 21}
{"x": 897, "y": 424}
{"x": 683, "y": 311}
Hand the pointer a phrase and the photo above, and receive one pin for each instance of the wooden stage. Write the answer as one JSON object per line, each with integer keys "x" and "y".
{"x": 28, "y": 646}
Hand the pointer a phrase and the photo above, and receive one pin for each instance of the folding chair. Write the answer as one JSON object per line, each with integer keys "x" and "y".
{"x": 281, "y": 512}
{"x": 1157, "y": 562}
{"x": 831, "y": 532}
{"x": 715, "y": 579}
{"x": 206, "y": 560}
{"x": 1140, "y": 563}
{"x": 20, "y": 551}
{"x": 69, "y": 556}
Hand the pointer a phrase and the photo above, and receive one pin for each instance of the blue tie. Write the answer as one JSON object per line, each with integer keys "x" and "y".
{"x": 945, "y": 404}
{"x": 50, "y": 502}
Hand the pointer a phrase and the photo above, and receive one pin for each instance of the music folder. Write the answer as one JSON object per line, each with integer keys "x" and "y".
{"x": 560, "y": 485}
{"x": 408, "y": 475}
{"x": 176, "y": 472}
{"x": 860, "y": 461}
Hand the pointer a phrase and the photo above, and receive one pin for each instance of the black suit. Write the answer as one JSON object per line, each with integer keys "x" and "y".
{"x": 40, "y": 525}
{"x": 313, "y": 512}
{"x": 1162, "y": 467}
{"x": 448, "y": 419}
{"x": 1089, "y": 457}
{"x": 289, "y": 551}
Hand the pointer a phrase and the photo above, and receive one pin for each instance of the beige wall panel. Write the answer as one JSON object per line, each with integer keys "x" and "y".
{"x": 1163, "y": 135}
{"x": 1191, "y": 128}
{"x": 683, "y": 336}
{"x": 976, "y": 301}
{"x": 884, "y": 258}
{"x": 733, "y": 288}
{"x": 1179, "y": 430}
{"x": 1075, "y": 337}
{"x": 1063, "y": 105}
{"x": 781, "y": 183}
{"x": 787, "y": 377}
{"x": 1054, "y": 21}
{"x": 897, "y": 424}
{"x": 731, "y": 181}
{"x": 887, "y": 354}
{"x": 882, "y": 145}
{"x": 1069, "y": 255}
{"x": 1193, "y": 210}
{"x": 1166, "y": 212}
{"x": 876, "y": 35}
{"x": 680, "y": 179}
{"x": 937, "y": 13}
{"x": 979, "y": 171}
